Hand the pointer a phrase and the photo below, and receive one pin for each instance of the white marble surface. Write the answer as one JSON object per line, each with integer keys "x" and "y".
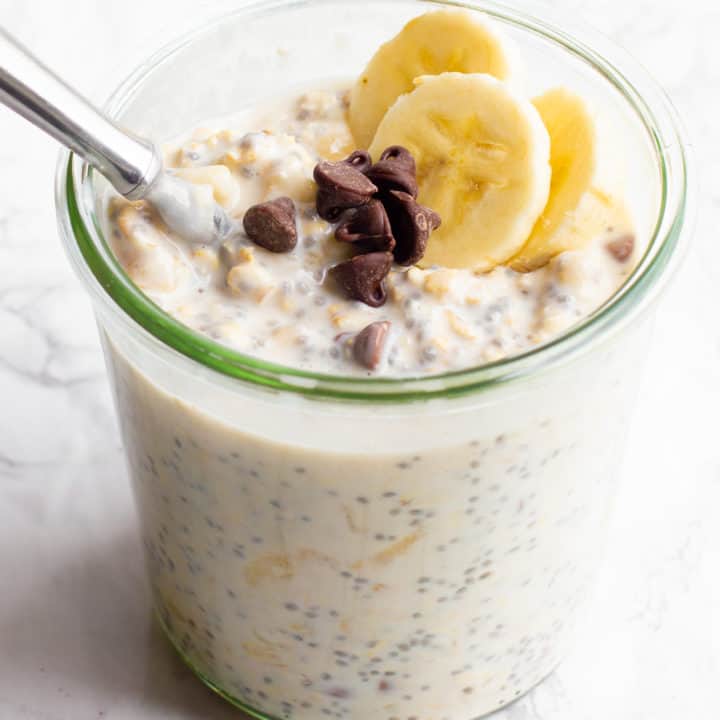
{"x": 76, "y": 640}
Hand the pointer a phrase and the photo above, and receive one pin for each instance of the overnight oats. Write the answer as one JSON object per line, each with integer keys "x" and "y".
{"x": 478, "y": 231}
{"x": 337, "y": 523}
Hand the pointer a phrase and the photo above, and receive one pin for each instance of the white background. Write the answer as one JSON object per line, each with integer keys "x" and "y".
{"x": 76, "y": 641}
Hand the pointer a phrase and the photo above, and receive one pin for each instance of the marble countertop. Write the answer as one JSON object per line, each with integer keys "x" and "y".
{"x": 76, "y": 638}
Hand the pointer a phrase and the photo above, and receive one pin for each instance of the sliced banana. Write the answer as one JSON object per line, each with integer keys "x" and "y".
{"x": 483, "y": 163}
{"x": 596, "y": 213}
{"x": 572, "y": 214}
{"x": 437, "y": 42}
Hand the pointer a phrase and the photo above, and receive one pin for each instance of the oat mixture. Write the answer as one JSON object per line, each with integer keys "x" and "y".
{"x": 283, "y": 308}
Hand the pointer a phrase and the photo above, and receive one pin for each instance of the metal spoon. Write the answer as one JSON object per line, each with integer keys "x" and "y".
{"x": 132, "y": 164}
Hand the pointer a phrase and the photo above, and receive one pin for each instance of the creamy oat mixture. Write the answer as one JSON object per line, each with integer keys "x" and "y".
{"x": 283, "y": 308}
{"x": 437, "y": 581}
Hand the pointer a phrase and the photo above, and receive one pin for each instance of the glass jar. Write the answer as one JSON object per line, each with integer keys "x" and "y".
{"x": 378, "y": 548}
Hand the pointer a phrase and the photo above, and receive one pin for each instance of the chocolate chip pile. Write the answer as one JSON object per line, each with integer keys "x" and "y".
{"x": 376, "y": 208}
{"x": 376, "y": 211}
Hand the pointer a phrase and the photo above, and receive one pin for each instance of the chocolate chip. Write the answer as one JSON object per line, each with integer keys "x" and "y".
{"x": 621, "y": 248}
{"x": 363, "y": 277}
{"x": 366, "y": 227}
{"x": 340, "y": 186}
{"x": 411, "y": 225}
{"x": 395, "y": 171}
{"x": 272, "y": 225}
{"x": 369, "y": 344}
{"x": 360, "y": 160}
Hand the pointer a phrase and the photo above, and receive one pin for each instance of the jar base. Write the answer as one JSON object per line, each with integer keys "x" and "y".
{"x": 254, "y": 713}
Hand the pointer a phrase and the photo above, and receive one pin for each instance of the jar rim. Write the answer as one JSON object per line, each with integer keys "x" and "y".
{"x": 114, "y": 291}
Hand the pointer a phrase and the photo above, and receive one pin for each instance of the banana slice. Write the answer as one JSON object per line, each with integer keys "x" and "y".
{"x": 437, "y": 42}
{"x": 572, "y": 216}
{"x": 483, "y": 163}
{"x": 595, "y": 214}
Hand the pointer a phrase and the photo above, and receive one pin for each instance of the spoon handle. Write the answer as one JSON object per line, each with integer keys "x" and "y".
{"x": 29, "y": 88}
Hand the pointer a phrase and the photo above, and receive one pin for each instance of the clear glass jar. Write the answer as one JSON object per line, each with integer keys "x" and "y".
{"x": 377, "y": 548}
